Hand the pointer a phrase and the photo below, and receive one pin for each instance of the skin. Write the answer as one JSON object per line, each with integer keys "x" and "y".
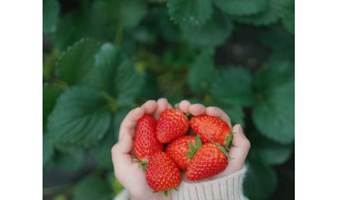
{"x": 125, "y": 167}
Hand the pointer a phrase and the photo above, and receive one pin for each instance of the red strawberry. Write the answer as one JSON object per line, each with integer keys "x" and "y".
{"x": 171, "y": 125}
{"x": 162, "y": 173}
{"x": 145, "y": 142}
{"x": 182, "y": 150}
{"x": 212, "y": 129}
{"x": 209, "y": 160}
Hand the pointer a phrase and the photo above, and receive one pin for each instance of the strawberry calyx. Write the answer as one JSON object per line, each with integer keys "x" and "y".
{"x": 143, "y": 164}
{"x": 220, "y": 147}
{"x": 228, "y": 141}
{"x": 194, "y": 146}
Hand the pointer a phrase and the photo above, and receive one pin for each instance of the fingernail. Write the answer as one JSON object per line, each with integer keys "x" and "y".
{"x": 237, "y": 128}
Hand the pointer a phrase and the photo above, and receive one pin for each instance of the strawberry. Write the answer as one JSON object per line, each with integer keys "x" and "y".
{"x": 212, "y": 129}
{"x": 145, "y": 142}
{"x": 182, "y": 150}
{"x": 208, "y": 161}
{"x": 162, "y": 174}
{"x": 171, "y": 125}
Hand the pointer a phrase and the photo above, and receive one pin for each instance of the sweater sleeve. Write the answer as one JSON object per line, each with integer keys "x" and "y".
{"x": 224, "y": 188}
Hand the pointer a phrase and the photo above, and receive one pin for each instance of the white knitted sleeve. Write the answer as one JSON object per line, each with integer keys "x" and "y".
{"x": 224, "y": 188}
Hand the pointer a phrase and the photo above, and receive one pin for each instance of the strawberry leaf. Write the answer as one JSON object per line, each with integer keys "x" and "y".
{"x": 238, "y": 90}
{"x": 79, "y": 118}
{"x": 75, "y": 63}
{"x": 201, "y": 72}
{"x": 50, "y": 15}
{"x": 269, "y": 16}
{"x": 50, "y": 94}
{"x": 241, "y": 7}
{"x": 214, "y": 33}
{"x": 260, "y": 181}
{"x": 273, "y": 113}
{"x": 92, "y": 187}
{"x": 190, "y": 12}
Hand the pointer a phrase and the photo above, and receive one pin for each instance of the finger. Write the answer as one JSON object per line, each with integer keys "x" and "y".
{"x": 125, "y": 145}
{"x": 196, "y": 109}
{"x": 121, "y": 160}
{"x": 184, "y": 106}
{"x": 129, "y": 122}
{"x": 217, "y": 112}
{"x": 120, "y": 151}
{"x": 150, "y": 106}
{"x": 162, "y": 104}
{"x": 239, "y": 139}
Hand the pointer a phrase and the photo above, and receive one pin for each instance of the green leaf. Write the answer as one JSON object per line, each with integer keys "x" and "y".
{"x": 241, "y": 7}
{"x": 274, "y": 115}
{"x": 70, "y": 161}
{"x": 92, "y": 187}
{"x": 117, "y": 187}
{"x": 101, "y": 75}
{"x": 280, "y": 41}
{"x": 274, "y": 73}
{"x": 269, "y": 16}
{"x": 274, "y": 154}
{"x": 50, "y": 15}
{"x": 101, "y": 67}
{"x": 213, "y": 33}
{"x": 233, "y": 86}
{"x": 95, "y": 21}
{"x": 48, "y": 150}
{"x": 102, "y": 151}
{"x": 269, "y": 152}
{"x": 50, "y": 93}
{"x": 202, "y": 72}
{"x": 260, "y": 181}
{"x": 288, "y": 17}
{"x": 190, "y": 12}
{"x": 132, "y": 12}
{"x": 79, "y": 117}
{"x": 75, "y": 63}
{"x": 235, "y": 113}
{"x": 70, "y": 28}
{"x": 128, "y": 82}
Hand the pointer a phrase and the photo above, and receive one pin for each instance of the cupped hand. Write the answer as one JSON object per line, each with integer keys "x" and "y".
{"x": 240, "y": 144}
{"x": 127, "y": 170}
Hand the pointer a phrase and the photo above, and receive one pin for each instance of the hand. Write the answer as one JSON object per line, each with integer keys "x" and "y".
{"x": 127, "y": 170}
{"x": 240, "y": 144}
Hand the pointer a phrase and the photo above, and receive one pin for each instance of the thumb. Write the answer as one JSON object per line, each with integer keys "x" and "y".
{"x": 125, "y": 144}
{"x": 239, "y": 139}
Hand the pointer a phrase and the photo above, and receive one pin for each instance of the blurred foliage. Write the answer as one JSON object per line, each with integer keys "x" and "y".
{"x": 103, "y": 57}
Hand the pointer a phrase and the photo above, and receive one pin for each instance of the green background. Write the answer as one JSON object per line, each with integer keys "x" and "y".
{"x": 103, "y": 57}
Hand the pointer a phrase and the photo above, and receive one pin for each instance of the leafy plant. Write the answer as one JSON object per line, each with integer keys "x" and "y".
{"x": 103, "y": 57}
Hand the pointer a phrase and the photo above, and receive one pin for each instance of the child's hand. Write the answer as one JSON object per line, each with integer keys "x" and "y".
{"x": 128, "y": 171}
{"x": 240, "y": 144}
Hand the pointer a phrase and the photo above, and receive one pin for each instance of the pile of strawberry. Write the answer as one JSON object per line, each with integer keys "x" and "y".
{"x": 168, "y": 147}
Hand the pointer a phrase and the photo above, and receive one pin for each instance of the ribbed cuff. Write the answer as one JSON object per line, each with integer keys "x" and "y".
{"x": 225, "y": 188}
